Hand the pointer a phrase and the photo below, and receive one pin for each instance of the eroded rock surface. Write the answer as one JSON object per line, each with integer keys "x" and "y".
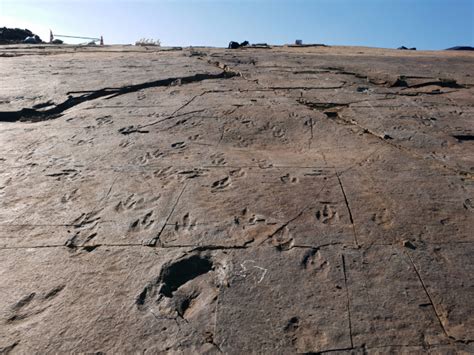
{"x": 239, "y": 201}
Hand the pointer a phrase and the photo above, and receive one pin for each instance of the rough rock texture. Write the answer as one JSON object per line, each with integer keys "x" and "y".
{"x": 240, "y": 201}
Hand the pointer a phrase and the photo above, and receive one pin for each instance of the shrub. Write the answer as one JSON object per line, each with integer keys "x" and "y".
{"x": 148, "y": 42}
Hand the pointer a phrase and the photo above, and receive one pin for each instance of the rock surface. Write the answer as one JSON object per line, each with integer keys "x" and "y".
{"x": 239, "y": 201}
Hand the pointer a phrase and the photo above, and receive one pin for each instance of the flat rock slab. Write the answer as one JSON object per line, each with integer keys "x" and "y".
{"x": 283, "y": 200}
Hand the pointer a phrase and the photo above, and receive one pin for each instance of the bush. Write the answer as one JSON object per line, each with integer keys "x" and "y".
{"x": 148, "y": 42}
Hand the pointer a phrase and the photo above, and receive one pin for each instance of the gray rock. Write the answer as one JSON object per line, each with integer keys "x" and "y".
{"x": 274, "y": 200}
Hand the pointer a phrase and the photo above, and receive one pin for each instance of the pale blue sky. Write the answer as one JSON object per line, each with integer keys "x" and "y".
{"x": 425, "y": 24}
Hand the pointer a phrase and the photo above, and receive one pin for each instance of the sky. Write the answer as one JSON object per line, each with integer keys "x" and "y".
{"x": 425, "y": 24}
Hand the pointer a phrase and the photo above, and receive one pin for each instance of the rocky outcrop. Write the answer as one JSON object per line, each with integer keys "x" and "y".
{"x": 267, "y": 200}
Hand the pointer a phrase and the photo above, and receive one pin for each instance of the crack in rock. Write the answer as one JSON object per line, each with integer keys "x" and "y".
{"x": 36, "y": 115}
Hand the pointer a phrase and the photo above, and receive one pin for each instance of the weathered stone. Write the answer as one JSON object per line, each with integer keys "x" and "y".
{"x": 266, "y": 200}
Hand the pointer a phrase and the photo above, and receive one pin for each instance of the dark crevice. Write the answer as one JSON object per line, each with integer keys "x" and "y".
{"x": 35, "y": 114}
{"x": 348, "y": 299}
{"x": 90, "y": 248}
{"x": 401, "y": 82}
{"x": 322, "y": 106}
{"x": 464, "y": 137}
{"x": 132, "y": 129}
{"x": 54, "y": 292}
{"x": 331, "y": 114}
{"x": 418, "y": 93}
{"x": 341, "y": 71}
{"x": 348, "y": 209}
{"x": 444, "y": 83}
{"x": 141, "y": 298}
{"x": 430, "y": 299}
{"x": 363, "y": 349}
{"x": 43, "y": 105}
{"x": 310, "y": 72}
{"x": 24, "y": 301}
{"x": 8, "y": 349}
{"x": 304, "y": 88}
{"x": 215, "y": 247}
{"x": 330, "y": 109}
